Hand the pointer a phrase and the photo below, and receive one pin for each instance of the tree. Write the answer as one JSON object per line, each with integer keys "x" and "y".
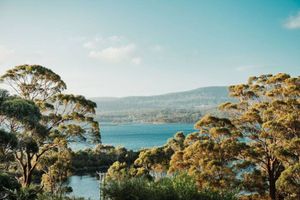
{"x": 121, "y": 171}
{"x": 56, "y": 166}
{"x": 21, "y": 120}
{"x": 53, "y": 116}
{"x": 7, "y": 142}
{"x": 155, "y": 159}
{"x": 211, "y": 154}
{"x": 267, "y": 114}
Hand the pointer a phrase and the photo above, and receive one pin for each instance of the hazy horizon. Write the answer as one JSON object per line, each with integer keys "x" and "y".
{"x": 166, "y": 93}
{"x": 145, "y": 48}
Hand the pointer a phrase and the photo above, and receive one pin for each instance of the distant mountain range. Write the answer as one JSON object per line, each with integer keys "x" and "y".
{"x": 161, "y": 108}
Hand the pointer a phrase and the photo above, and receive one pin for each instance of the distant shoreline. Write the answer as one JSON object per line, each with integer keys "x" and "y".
{"x": 138, "y": 123}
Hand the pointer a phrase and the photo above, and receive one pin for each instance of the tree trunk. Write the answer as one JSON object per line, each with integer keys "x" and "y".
{"x": 29, "y": 179}
{"x": 272, "y": 187}
{"x": 24, "y": 175}
{"x": 27, "y": 171}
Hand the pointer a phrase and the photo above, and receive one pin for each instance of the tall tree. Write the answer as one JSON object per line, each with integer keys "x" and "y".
{"x": 267, "y": 114}
{"x": 64, "y": 117}
{"x": 20, "y": 120}
{"x": 211, "y": 154}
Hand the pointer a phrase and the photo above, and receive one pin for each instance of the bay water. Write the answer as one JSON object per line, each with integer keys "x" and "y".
{"x": 130, "y": 136}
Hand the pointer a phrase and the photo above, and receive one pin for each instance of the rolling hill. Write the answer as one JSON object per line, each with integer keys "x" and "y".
{"x": 161, "y": 108}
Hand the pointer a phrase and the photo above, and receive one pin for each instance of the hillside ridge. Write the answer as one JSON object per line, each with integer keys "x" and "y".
{"x": 185, "y": 106}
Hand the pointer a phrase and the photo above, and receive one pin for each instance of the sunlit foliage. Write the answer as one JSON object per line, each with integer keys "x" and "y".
{"x": 39, "y": 122}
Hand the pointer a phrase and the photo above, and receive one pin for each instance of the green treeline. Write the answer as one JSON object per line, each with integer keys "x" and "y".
{"x": 100, "y": 158}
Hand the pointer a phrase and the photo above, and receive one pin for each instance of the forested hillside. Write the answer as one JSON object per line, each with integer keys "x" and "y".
{"x": 185, "y": 106}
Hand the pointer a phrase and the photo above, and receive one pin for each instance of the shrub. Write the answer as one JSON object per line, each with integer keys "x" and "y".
{"x": 181, "y": 187}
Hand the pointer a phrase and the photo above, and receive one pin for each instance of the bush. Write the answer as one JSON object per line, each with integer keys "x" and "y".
{"x": 181, "y": 187}
{"x": 8, "y": 185}
{"x": 8, "y": 182}
{"x": 129, "y": 189}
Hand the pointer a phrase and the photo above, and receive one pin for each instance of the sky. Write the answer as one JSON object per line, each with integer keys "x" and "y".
{"x": 134, "y": 47}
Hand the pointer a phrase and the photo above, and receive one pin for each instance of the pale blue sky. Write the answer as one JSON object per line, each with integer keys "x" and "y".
{"x": 127, "y": 47}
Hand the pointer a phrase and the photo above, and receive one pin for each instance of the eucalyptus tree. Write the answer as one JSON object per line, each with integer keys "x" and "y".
{"x": 57, "y": 167}
{"x": 268, "y": 116}
{"x": 121, "y": 171}
{"x": 53, "y": 118}
{"x": 211, "y": 154}
{"x": 155, "y": 159}
{"x": 19, "y": 120}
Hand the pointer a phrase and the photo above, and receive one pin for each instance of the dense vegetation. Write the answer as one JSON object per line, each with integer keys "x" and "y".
{"x": 249, "y": 151}
{"x": 100, "y": 158}
{"x": 180, "y": 187}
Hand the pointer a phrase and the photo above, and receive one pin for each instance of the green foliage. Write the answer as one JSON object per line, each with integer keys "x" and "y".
{"x": 211, "y": 156}
{"x": 33, "y": 81}
{"x": 156, "y": 159}
{"x": 7, "y": 184}
{"x": 100, "y": 158}
{"x": 23, "y": 132}
{"x": 7, "y": 141}
{"x": 267, "y": 115}
{"x": 72, "y": 116}
{"x": 130, "y": 189}
{"x": 28, "y": 193}
{"x": 185, "y": 186}
{"x": 57, "y": 167}
{"x": 43, "y": 119}
{"x": 177, "y": 142}
{"x": 118, "y": 171}
{"x": 289, "y": 182}
{"x": 178, "y": 188}
{"x": 21, "y": 110}
{"x": 255, "y": 182}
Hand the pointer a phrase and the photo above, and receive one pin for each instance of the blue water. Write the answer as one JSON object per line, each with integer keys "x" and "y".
{"x": 137, "y": 136}
{"x": 131, "y": 136}
{"x": 84, "y": 186}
